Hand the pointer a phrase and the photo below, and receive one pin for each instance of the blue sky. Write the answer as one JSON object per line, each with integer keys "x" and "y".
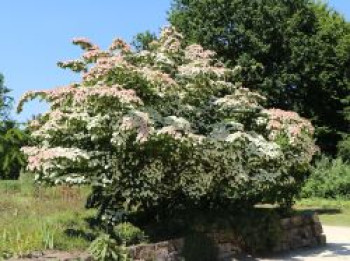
{"x": 36, "y": 34}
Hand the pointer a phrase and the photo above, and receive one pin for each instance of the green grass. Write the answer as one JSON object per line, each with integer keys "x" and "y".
{"x": 37, "y": 218}
{"x": 331, "y": 212}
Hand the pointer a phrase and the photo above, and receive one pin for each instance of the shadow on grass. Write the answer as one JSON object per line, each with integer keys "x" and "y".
{"x": 80, "y": 233}
{"x": 85, "y": 233}
{"x": 321, "y": 211}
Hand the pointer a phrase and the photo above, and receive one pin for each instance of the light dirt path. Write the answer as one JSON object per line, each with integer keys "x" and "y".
{"x": 337, "y": 248}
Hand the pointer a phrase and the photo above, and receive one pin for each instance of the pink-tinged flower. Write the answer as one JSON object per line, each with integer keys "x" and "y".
{"x": 34, "y": 124}
{"x": 196, "y": 52}
{"x": 78, "y": 94}
{"x": 40, "y": 159}
{"x": 93, "y": 55}
{"x": 105, "y": 64}
{"x": 140, "y": 122}
{"x": 171, "y": 131}
{"x": 156, "y": 76}
{"x": 290, "y": 121}
{"x": 119, "y": 44}
{"x": 74, "y": 65}
{"x": 295, "y": 130}
{"x": 274, "y": 125}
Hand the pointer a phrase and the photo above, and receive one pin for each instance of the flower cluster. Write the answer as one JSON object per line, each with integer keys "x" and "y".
{"x": 119, "y": 44}
{"x": 58, "y": 96}
{"x": 40, "y": 158}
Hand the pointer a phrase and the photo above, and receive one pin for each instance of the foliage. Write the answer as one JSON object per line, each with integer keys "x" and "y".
{"x": 126, "y": 233}
{"x": 329, "y": 179}
{"x": 11, "y": 138}
{"x": 5, "y": 100}
{"x": 164, "y": 130}
{"x": 105, "y": 248}
{"x": 296, "y": 52}
{"x": 12, "y": 160}
{"x": 142, "y": 41}
{"x": 344, "y": 149}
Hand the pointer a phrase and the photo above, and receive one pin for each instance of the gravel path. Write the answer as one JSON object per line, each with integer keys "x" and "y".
{"x": 337, "y": 248}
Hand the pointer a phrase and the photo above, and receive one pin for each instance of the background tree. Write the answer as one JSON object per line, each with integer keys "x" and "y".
{"x": 142, "y": 40}
{"x": 5, "y": 100}
{"x": 11, "y": 138}
{"x": 299, "y": 51}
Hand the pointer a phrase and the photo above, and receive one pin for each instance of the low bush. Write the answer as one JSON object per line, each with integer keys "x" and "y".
{"x": 106, "y": 248}
{"x": 330, "y": 178}
{"x": 12, "y": 160}
{"x": 344, "y": 149}
{"x": 128, "y": 234}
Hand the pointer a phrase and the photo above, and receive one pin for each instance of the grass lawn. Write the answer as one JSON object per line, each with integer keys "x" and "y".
{"x": 35, "y": 218}
{"x": 331, "y": 212}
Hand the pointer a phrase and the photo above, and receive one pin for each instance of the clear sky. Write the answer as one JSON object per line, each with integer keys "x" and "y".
{"x": 35, "y": 34}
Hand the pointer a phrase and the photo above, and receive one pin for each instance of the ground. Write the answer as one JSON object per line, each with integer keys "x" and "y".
{"x": 337, "y": 248}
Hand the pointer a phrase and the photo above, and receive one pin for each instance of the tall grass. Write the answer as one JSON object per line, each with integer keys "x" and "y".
{"x": 34, "y": 217}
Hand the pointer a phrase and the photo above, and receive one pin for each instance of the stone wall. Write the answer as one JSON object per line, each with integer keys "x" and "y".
{"x": 297, "y": 232}
{"x": 301, "y": 231}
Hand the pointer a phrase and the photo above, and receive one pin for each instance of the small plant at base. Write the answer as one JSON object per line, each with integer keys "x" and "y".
{"x": 105, "y": 248}
{"x": 126, "y": 233}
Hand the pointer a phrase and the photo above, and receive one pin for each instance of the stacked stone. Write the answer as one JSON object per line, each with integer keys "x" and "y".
{"x": 300, "y": 231}
{"x": 162, "y": 251}
{"x": 297, "y": 232}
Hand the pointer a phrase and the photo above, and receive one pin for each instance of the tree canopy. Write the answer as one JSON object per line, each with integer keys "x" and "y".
{"x": 166, "y": 129}
{"x": 295, "y": 52}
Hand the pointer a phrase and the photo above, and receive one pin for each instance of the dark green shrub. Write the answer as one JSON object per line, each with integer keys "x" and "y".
{"x": 344, "y": 149}
{"x": 12, "y": 160}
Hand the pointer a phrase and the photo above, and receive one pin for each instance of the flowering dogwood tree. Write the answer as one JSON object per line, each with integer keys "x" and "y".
{"x": 165, "y": 129}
